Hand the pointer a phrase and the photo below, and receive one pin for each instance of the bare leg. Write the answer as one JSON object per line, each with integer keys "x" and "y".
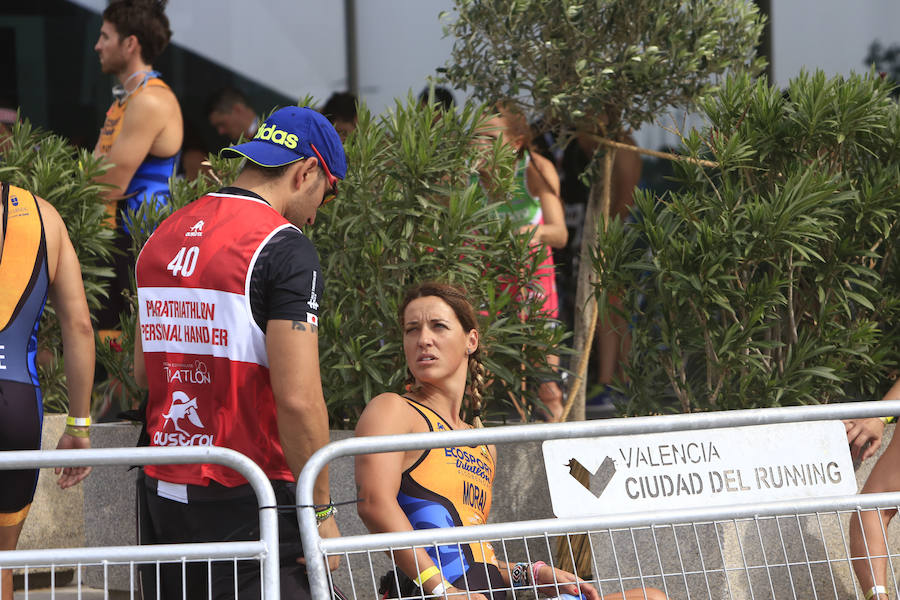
{"x": 551, "y": 395}
{"x": 9, "y": 537}
{"x": 869, "y": 542}
{"x": 612, "y": 335}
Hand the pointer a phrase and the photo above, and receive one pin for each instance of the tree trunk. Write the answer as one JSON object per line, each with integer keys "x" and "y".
{"x": 585, "y": 301}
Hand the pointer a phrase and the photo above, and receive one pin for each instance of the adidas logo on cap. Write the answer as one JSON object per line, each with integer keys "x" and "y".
{"x": 281, "y": 137}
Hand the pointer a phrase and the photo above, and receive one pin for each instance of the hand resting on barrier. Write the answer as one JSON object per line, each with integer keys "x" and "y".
{"x": 864, "y": 435}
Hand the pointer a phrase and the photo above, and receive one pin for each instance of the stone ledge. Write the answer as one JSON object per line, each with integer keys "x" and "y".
{"x": 102, "y": 512}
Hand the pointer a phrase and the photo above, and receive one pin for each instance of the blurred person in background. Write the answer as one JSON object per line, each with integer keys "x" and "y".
{"x": 535, "y": 207}
{"x": 340, "y": 109}
{"x": 230, "y": 113}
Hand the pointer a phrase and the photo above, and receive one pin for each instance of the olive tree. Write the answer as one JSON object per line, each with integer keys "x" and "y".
{"x": 598, "y": 68}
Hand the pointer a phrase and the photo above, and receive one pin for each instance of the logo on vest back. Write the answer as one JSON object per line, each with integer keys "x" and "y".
{"x": 281, "y": 137}
{"x": 182, "y": 411}
{"x": 196, "y": 229}
{"x": 197, "y": 372}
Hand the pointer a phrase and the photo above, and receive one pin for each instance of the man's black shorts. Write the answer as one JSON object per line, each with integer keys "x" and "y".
{"x": 232, "y": 517}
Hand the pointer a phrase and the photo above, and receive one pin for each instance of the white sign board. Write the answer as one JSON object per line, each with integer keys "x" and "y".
{"x": 689, "y": 469}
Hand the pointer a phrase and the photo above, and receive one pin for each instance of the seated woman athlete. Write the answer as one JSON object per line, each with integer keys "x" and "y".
{"x": 402, "y": 491}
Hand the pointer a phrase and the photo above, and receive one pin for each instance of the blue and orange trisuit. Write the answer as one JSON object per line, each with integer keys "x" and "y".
{"x": 24, "y": 281}
{"x": 451, "y": 487}
{"x": 151, "y": 180}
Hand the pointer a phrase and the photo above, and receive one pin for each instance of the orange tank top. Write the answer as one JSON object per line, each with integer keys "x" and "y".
{"x": 112, "y": 126}
{"x": 450, "y": 487}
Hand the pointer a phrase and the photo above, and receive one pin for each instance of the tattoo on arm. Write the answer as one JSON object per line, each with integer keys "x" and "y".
{"x": 300, "y": 325}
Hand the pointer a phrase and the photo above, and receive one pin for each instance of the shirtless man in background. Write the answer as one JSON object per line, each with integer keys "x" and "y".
{"x": 142, "y": 135}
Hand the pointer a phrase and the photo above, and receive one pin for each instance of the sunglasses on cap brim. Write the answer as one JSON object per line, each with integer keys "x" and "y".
{"x": 331, "y": 194}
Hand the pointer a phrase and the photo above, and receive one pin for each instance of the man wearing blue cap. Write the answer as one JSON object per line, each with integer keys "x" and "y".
{"x": 229, "y": 290}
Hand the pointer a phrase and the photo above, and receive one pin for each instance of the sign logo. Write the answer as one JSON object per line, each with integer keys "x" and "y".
{"x": 182, "y": 406}
{"x": 196, "y": 229}
{"x": 594, "y": 482}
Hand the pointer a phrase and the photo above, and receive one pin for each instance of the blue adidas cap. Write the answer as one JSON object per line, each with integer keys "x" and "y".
{"x": 291, "y": 134}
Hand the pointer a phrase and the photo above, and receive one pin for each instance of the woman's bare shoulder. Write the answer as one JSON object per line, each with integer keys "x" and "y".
{"x": 386, "y": 414}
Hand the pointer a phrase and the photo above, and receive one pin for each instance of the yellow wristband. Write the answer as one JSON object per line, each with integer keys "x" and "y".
{"x": 78, "y": 421}
{"x": 876, "y": 590}
{"x": 76, "y": 432}
{"x": 426, "y": 575}
{"x": 887, "y": 420}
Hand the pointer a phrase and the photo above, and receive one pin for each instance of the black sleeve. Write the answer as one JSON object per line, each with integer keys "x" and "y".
{"x": 286, "y": 282}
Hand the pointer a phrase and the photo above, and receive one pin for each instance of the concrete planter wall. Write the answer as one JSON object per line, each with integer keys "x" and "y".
{"x": 101, "y": 512}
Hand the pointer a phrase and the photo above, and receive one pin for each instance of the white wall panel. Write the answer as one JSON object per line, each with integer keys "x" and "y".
{"x": 295, "y": 47}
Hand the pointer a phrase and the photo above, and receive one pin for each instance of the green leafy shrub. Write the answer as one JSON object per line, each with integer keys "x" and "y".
{"x": 772, "y": 279}
{"x": 410, "y": 210}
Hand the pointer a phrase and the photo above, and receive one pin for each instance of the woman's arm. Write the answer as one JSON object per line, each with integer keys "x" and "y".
{"x": 543, "y": 183}
{"x": 378, "y": 482}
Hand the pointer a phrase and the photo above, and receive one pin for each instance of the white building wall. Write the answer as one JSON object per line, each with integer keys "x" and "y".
{"x": 298, "y": 46}
{"x": 832, "y": 35}
{"x": 401, "y": 44}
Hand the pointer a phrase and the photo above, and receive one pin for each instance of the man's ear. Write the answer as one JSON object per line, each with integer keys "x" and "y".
{"x": 306, "y": 171}
{"x": 132, "y": 45}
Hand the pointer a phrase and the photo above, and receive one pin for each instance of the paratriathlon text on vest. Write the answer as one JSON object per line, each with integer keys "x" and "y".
{"x": 181, "y": 309}
{"x": 180, "y": 439}
{"x": 733, "y": 480}
{"x": 191, "y": 334}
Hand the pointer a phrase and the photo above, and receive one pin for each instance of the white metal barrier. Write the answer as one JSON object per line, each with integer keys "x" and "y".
{"x": 792, "y": 549}
{"x": 265, "y": 550}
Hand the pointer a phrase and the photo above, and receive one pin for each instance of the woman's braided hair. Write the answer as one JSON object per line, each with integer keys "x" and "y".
{"x": 457, "y": 298}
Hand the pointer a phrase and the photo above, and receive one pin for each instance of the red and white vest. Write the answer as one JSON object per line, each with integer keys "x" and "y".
{"x": 205, "y": 355}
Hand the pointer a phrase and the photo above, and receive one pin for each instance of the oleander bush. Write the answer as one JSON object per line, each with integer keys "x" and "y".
{"x": 62, "y": 174}
{"x": 412, "y": 209}
{"x": 771, "y": 279}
